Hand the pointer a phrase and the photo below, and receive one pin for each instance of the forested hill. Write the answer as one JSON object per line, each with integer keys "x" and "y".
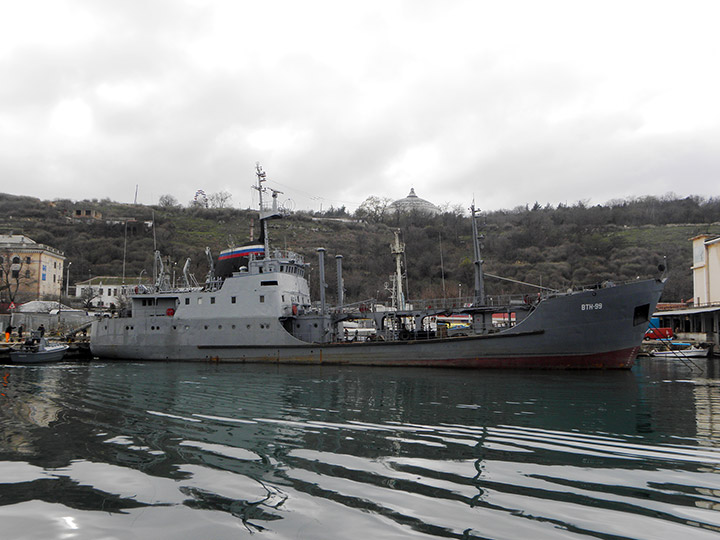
{"x": 555, "y": 247}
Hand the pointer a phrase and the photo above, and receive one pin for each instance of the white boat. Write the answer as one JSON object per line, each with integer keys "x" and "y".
{"x": 36, "y": 350}
{"x": 689, "y": 351}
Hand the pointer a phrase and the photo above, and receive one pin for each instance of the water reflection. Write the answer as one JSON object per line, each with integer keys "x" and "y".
{"x": 170, "y": 450}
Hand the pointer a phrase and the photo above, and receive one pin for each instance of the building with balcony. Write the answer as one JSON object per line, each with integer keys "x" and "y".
{"x": 28, "y": 270}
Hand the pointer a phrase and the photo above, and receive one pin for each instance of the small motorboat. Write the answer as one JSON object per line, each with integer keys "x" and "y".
{"x": 686, "y": 351}
{"x": 36, "y": 350}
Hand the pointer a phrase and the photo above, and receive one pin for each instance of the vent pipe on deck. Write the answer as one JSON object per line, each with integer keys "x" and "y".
{"x": 323, "y": 285}
{"x": 340, "y": 283}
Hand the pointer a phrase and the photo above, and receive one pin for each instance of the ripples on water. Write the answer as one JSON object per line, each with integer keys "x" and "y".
{"x": 130, "y": 450}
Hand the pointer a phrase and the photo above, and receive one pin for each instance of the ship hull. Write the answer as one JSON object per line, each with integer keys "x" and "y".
{"x": 594, "y": 329}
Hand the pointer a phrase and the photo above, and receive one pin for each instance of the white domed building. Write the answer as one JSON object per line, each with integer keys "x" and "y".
{"x": 413, "y": 203}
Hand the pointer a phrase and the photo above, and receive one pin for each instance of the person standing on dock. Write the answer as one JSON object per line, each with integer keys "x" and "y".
{"x": 20, "y": 330}
{"x": 8, "y": 332}
{"x": 41, "y": 329}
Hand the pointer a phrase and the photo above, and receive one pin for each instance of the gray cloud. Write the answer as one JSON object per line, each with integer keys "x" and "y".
{"x": 176, "y": 96}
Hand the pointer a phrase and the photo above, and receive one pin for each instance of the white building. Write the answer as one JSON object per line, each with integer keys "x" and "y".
{"x": 702, "y": 321}
{"x": 706, "y": 270}
{"x": 104, "y": 291}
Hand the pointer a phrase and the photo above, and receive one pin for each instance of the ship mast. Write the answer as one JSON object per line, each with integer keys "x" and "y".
{"x": 266, "y": 213}
{"x": 397, "y": 248}
{"x": 479, "y": 292}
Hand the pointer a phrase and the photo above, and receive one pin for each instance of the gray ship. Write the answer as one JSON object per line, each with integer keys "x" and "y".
{"x": 258, "y": 309}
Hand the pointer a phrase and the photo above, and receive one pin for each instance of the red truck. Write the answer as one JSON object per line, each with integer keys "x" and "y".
{"x": 659, "y": 333}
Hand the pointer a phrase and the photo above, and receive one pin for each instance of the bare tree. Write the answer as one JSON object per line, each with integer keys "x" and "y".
{"x": 168, "y": 201}
{"x": 12, "y": 275}
{"x": 221, "y": 199}
{"x": 373, "y": 208}
{"x": 88, "y": 295}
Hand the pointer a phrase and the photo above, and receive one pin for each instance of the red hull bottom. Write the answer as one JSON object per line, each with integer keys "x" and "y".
{"x": 622, "y": 359}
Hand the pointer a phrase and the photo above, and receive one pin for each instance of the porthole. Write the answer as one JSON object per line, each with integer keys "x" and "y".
{"x": 206, "y": 327}
{"x": 219, "y": 326}
{"x": 233, "y": 327}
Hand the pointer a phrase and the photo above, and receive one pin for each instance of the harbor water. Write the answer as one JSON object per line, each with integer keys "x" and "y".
{"x": 114, "y": 450}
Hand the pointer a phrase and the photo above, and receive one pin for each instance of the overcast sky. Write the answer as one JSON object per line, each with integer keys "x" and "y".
{"x": 511, "y": 102}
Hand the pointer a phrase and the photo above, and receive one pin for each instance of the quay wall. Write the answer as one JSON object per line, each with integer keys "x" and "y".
{"x": 55, "y": 324}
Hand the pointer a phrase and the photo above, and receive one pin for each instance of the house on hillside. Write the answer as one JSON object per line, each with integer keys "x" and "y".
{"x": 87, "y": 213}
{"x": 702, "y": 320}
{"x": 28, "y": 270}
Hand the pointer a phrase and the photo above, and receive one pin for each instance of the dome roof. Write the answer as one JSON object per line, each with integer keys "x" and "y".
{"x": 413, "y": 203}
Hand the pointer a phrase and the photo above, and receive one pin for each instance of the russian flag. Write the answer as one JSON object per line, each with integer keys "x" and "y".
{"x": 242, "y": 251}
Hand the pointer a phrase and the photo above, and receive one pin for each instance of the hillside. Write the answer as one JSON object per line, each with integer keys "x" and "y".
{"x": 555, "y": 247}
